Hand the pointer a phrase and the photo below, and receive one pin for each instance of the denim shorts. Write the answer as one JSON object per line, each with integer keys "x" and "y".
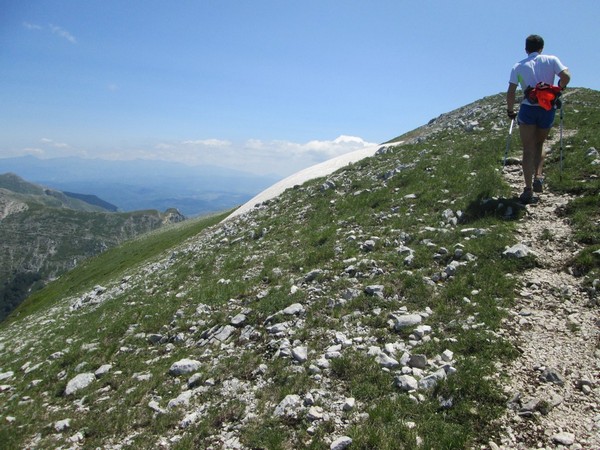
{"x": 536, "y": 115}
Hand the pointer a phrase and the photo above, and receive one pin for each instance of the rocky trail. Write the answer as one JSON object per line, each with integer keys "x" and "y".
{"x": 555, "y": 385}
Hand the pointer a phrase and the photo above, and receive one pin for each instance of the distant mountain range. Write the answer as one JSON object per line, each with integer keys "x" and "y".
{"x": 143, "y": 184}
{"x": 44, "y": 232}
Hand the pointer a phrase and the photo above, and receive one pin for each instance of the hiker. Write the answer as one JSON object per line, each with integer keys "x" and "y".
{"x": 535, "y": 74}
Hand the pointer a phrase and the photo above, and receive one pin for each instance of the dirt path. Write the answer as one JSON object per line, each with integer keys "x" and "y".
{"x": 555, "y": 384}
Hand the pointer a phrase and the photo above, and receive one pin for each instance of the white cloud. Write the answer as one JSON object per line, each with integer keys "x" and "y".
{"x": 31, "y": 26}
{"x": 253, "y": 155}
{"x": 63, "y": 33}
{"x": 257, "y": 156}
{"x": 34, "y": 151}
{"x": 163, "y": 146}
{"x": 53, "y": 143}
{"x": 314, "y": 151}
{"x": 286, "y": 157}
{"x": 208, "y": 143}
{"x": 54, "y": 29}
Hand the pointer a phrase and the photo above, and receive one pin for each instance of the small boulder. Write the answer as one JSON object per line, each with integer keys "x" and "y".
{"x": 407, "y": 320}
{"x": 564, "y": 438}
{"x": 184, "y": 366}
{"x": 79, "y": 382}
{"x": 289, "y": 406}
{"x": 341, "y": 443}
{"x": 62, "y": 425}
{"x": 517, "y": 251}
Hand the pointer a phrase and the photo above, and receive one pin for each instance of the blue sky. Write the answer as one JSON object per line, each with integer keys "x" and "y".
{"x": 267, "y": 86}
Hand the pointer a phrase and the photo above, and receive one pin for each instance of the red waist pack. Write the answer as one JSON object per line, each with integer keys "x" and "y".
{"x": 546, "y": 95}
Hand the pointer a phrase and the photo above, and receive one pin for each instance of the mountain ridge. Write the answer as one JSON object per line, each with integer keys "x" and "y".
{"x": 45, "y": 232}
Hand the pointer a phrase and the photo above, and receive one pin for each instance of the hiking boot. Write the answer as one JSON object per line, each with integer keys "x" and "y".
{"x": 527, "y": 196}
{"x": 538, "y": 185}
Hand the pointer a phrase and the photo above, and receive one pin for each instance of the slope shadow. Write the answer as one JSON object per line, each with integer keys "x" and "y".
{"x": 502, "y": 208}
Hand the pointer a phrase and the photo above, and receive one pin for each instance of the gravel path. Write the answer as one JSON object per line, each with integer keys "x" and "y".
{"x": 555, "y": 385}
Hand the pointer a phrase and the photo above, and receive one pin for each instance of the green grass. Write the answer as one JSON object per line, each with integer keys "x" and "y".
{"x": 580, "y": 177}
{"x": 112, "y": 264}
{"x": 254, "y": 269}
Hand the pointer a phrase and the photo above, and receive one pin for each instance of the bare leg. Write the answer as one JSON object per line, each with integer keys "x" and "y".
{"x": 528, "y": 139}
{"x": 533, "y": 139}
{"x": 540, "y": 154}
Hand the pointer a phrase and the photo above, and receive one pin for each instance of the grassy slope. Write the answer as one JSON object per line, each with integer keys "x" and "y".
{"x": 304, "y": 229}
{"x": 112, "y": 264}
{"x": 581, "y": 178}
{"x": 52, "y": 234}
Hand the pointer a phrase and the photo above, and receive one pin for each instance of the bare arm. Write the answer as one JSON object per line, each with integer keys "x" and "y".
{"x": 564, "y": 78}
{"x": 510, "y": 96}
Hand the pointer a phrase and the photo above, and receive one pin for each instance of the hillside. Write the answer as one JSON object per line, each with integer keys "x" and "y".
{"x": 380, "y": 305}
{"x": 44, "y": 232}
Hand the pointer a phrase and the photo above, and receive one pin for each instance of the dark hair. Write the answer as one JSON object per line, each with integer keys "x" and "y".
{"x": 534, "y": 43}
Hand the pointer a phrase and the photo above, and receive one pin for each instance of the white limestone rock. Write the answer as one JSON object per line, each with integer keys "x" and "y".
{"x": 184, "y": 366}
{"x": 289, "y": 406}
{"x": 341, "y": 443}
{"x": 79, "y": 382}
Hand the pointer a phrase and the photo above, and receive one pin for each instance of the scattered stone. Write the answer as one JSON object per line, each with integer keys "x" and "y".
{"x": 289, "y": 406}
{"x": 517, "y": 251}
{"x": 447, "y": 355}
{"x": 238, "y": 320}
{"x": 56, "y": 355}
{"x": 564, "y": 438}
{"x": 368, "y": 245}
{"x": 421, "y": 331}
{"x": 155, "y": 406}
{"x": 195, "y": 380}
{"x": 386, "y": 361}
{"x": 418, "y": 361}
{"x": 592, "y": 153}
{"x": 62, "y": 425}
{"x": 80, "y": 381}
{"x": 430, "y": 381}
{"x": 154, "y": 338}
{"x": 184, "y": 366}
{"x": 407, "y": 320}
{"x": 300, "y": 354}
{"x": 530, "y": 405}
{"x": 552, "y": 376}
{"x": 349, "y": 404}
{"x": 6, "y": 375}
{"x": 341, "y": 443}
{"x": 314, "y": 413}
{"x": 189, "y": 419}
{"x": 293, "y": 310}
{"x": 407, "y": 383}
{"x": 278, "y": 328}
{"x": 103, "y": 370}
{"x": 224, "y": 333}
{"x": 181, "y": 399}
{"x": 313, "y": 275}
{"x": 375, "y": 290}
{"x": 142, "y": 376}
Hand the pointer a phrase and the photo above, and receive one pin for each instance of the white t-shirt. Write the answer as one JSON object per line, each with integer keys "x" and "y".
{"x": 534, "y": 69}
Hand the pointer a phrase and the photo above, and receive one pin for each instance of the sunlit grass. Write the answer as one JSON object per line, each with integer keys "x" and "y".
{"x": 254, "y": 269}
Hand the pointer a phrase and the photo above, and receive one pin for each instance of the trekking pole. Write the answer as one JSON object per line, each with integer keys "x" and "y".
{"x": 562, "y": 106}
{"x": 512, "y": 122}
